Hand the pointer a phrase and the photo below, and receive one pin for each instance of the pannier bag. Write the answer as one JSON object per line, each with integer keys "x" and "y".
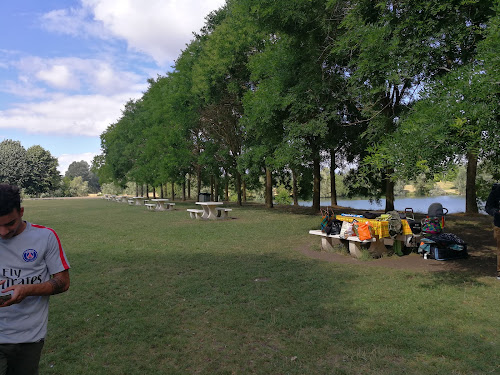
{"x": 431, "y": 225}
{"x": 444, "y": 246}
{"x": 395, "y": 224}
{"x": 436, "y": 210}
{"x": 369, "y": 215}
{"x": 364, "y": 231}
{"x": 415, "y": 226}
{"x": 327, "y": 216}
{"x": 334, "y": 227}
{"x": 347, "y": 230}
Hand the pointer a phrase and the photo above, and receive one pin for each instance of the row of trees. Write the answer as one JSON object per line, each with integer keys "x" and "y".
{"x": 270, "y": 90}
{"x": 34, "y": 170}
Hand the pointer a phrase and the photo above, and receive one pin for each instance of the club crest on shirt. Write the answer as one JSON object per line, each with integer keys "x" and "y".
{"x": 30, "y": 255}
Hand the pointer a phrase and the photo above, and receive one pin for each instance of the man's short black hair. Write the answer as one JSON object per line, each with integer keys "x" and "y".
{"x": 10, "y": 199}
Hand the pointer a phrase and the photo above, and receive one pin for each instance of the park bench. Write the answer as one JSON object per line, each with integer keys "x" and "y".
{"x": 223, "y": 212}
{"x": 131, "y": 202}
{"x": 194, "y": 213}
{"x": 151, "y": 206}
{"x": 353, "y": 244}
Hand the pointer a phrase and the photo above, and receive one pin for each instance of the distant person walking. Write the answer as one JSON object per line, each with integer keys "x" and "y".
{"x": 493, "y": 209}
{"x": 33, "y": 266}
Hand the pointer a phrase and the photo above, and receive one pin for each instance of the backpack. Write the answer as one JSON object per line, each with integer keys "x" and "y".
{"x": 431, "y": 225}
{"x": 395, "y": 225}
{"x": 334, "y": 227}
{"x": 327, "y": 215}
{"x": 436, "y": 210}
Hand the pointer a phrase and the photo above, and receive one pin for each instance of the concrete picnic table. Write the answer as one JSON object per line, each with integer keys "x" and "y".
{"x": 209, "y": 209}
{"x": 162, "y": 204}
{"x": 139, "y": 201}
{"x": 381, "y": 229}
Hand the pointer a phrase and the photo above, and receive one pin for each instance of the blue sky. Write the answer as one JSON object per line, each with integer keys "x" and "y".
{"x": 67, "y": 67}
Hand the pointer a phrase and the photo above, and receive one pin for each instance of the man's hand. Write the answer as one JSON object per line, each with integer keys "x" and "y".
{"x": 59, "y": 283}
{"x": 21, "y": 291}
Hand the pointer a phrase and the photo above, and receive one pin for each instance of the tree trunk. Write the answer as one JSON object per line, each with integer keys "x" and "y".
{"x": 212, "y": 182}
{"x": 269, "y": 188}
{"x": 161, "y": 191}
{"x": 154, "y": 193}
{"x": 198, "y": 184}
{"x": 142, "y": 190}
{"x": 136, "y": 189}
{"x": 333, "y": 187}
{"x": 184, "y": 190}
{"x": 216, "y": 189}
{"x": 389, "y": 189}
{"x": 295, "y": 190}
{"x": 470, "y": 184}
{"x": 316, "y": 205}
{"x": 244, "y": 184}
{"x": 226, "y": 191}
{"x": 189, "y": 185}
{"x": 173, "y": 191}
{"x": 238, "y": 187}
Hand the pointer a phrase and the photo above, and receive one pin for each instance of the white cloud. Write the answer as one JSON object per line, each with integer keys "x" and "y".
{"x": 71, "y": 74}
{"x": 159, "y": 28}
{"x": 74, "y": 22}
{"x": 67, "y": 115}
{"x": 66, "y": 159}
{"x": 59, "y": 76}
{"x": 22, "y": 88}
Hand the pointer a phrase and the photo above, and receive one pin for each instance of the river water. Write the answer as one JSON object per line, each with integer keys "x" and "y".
{"x": 453, "y": 203}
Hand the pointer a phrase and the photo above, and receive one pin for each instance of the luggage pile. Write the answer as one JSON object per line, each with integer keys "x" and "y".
{"x": 435, "y": 244}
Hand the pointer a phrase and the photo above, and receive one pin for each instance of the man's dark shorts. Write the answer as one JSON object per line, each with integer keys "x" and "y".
{"x": 20, "y": 359}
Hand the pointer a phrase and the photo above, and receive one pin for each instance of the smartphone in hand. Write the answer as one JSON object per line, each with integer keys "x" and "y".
{"x": 4, "y": 298}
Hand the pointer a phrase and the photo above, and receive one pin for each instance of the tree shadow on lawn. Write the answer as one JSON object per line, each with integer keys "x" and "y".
{"x": 270, "y": 309}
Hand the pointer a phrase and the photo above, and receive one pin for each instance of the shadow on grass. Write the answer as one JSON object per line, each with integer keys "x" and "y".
{"x": 196, "y": 312}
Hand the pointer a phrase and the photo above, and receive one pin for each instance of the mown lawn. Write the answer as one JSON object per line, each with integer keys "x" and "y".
{"x": 159, "y": 293}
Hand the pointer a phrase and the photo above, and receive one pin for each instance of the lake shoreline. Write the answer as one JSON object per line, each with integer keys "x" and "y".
{"x": 453, "y": 203}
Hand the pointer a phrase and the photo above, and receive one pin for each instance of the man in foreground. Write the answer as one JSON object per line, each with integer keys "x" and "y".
{"x": 33, "y": 266}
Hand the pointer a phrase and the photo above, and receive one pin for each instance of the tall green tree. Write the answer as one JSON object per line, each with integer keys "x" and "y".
{"x": 396, "y": 47}
{"x": 13, "y": 163}
{"x": 222, "y": 77}
{"x": 42, "y": 176}
{"x": 459, "y": 113}
{"x": 299, "y": 89}
{"x": 82, "y": 168}
{"x": 120, "y": 143}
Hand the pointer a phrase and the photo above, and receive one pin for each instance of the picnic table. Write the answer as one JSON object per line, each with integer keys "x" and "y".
{"x": 163, "y": 204}
{"x": 209, "y": 209}
{"x": 139, "y": 201}
{"x": 375, "y": 245}
{"x": 381, "y": 229}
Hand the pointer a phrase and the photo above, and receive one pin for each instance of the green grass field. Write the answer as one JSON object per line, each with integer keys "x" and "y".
{"x": 159, "y": 293}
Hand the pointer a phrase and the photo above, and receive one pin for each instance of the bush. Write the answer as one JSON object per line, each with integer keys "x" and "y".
{"x": 283, "y": 196}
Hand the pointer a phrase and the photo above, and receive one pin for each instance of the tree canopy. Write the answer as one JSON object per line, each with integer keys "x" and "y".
{"x": 268, "y": 92}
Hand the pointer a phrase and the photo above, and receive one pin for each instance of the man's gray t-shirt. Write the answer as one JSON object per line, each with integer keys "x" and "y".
{"x": 31, "y": 257}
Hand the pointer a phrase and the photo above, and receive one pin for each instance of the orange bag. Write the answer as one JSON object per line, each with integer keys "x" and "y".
{"x": 365, "y": 231}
